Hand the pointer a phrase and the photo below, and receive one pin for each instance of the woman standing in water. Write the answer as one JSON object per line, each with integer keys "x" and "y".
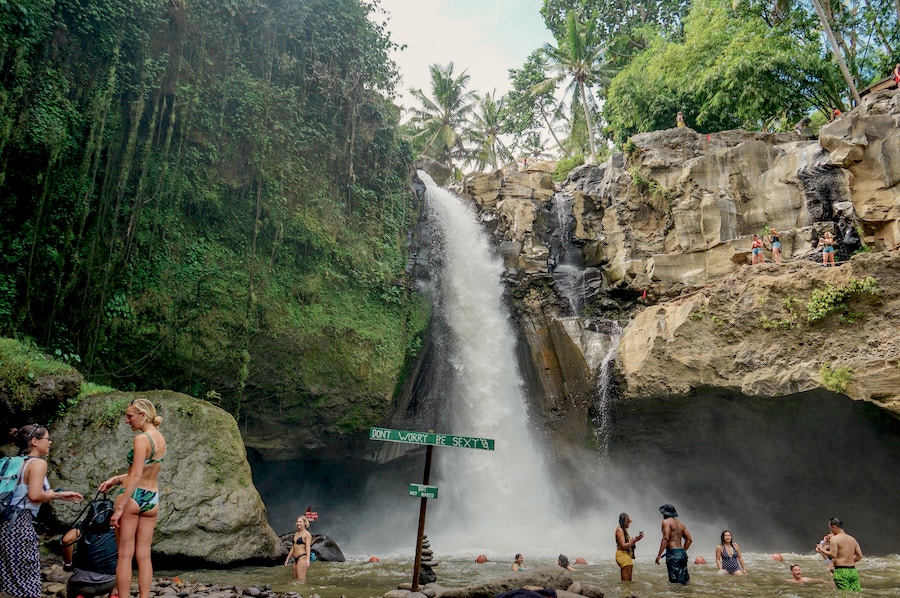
{"x": 20, "y": 559}
{"x": 137, "y": 504}
{"x": 301, "y": 549}
{"x": 730, "y": 562}
{"x": 625, "y": 547}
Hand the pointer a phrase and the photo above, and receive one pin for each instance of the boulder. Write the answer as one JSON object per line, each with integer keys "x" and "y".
{"x": 209, "y": 507}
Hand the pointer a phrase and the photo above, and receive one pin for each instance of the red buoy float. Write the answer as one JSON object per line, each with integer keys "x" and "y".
{"x": 481, "y": 558}
{"x": 777, "y": 557}
{"x": 374, "y": 559}
{"x": 580, "y": 561}
{"x": 699, "y": 561}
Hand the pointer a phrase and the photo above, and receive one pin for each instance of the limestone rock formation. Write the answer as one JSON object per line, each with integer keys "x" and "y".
{"x": 749, "y": 332}
{"x": 209, "y": 508}
{"x": 668, "y": 225}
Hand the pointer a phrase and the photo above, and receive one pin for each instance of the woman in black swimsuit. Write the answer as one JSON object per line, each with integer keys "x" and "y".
{"x": 301, "y": 549}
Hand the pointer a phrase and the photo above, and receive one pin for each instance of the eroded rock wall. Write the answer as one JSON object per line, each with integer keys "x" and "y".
{"x": 674, "y": 215}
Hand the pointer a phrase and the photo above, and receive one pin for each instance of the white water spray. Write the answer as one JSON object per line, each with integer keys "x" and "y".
{"x": 486, "y": 497}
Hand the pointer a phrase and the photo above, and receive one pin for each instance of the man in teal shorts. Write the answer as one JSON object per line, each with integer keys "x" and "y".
{"x": 844, "y": 552}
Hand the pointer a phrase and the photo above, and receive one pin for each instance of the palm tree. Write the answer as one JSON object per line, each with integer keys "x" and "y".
{"x": 582, "y": 63}
{"x": 484, "y": 131}
{"x": 441, "y": 119}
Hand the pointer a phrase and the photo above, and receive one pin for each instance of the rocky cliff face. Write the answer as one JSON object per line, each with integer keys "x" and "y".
{"x": 661, "y": 235}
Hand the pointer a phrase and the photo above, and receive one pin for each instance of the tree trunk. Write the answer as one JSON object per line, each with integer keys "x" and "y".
{"x": 587, "y": 122}
{"x": 836, "y": 50}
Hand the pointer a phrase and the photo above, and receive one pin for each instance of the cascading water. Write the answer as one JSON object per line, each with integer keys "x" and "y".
{"x": 603, "y": 413}
{"x": 485, "y": 496}
{"x": 568, "y": 275}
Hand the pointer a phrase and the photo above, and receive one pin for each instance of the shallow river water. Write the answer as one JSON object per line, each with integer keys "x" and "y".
{"x": 357, "y": 578}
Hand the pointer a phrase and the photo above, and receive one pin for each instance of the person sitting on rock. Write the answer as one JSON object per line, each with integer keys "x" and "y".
{"x": 95, "y": 557}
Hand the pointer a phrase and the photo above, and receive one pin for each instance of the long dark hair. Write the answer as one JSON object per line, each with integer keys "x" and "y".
{"x": 722, "y": 537}
{"x": 623, "y": 517}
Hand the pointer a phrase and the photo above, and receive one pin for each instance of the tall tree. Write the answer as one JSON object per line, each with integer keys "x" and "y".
{"x": 484, "y": 132}
{"x": 836, "y": 50}
{"x": 527, "y": 109}
{"x": 441, "y": 119}
{"x": 579, "y": 61}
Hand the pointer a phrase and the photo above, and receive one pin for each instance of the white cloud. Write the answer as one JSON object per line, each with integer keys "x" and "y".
{"x": 483, "y": 37}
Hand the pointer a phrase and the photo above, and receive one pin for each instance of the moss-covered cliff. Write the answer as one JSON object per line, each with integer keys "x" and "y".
{"x": 210, "y": 197}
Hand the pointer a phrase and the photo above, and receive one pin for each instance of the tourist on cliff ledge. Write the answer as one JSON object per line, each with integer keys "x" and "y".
{"x": 826, "y": 242}
{"x": 756, "y": 246}
{"x": 775, "y": 240}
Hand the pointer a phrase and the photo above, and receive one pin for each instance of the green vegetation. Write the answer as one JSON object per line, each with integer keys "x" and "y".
{"x": 791, "y": 304}
{"x": 566, "y": 165}
{"x": 652, "y": 186}
{"x": 837, "y": 379}
{"x": 833, "y": 299}
{"x": 206, "y": 196}
{"x": 21, "y": 365}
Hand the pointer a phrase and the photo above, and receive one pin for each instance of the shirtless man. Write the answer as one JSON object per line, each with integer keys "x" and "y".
{"x": 844, "y": 552}
{"x": 673, "y": 535}
{"x": 797, "y": 576}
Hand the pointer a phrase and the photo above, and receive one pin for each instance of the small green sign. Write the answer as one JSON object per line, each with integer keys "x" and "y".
{"x": 423, "y": 491}
{"x": 389, "y": 435}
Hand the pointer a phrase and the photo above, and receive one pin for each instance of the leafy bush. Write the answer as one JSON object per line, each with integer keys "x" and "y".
{"x": 837, "y": 379}
{"x": 564, "y": 166}
{"x": 833, "y": 299}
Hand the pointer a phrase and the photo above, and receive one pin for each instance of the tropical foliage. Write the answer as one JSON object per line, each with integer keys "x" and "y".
{"x": 207, "y": 196}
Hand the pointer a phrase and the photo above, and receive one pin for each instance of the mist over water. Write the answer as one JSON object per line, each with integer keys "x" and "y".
{"x": 772, "y": 470}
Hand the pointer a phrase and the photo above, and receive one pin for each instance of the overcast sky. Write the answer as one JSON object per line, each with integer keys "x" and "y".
{"x": 485, "y": 37}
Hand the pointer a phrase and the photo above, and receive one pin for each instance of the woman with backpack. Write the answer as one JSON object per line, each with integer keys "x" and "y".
{"x": 20, "y": 561}
{"x": 137, "y": 505}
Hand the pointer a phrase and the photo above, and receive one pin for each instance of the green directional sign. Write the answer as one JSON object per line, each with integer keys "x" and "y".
{"x": 430, "y": 438}
{"x": 423, "y": 491}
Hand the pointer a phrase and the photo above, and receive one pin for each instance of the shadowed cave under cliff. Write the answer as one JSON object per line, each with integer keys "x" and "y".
{"x": 771, "y": 469}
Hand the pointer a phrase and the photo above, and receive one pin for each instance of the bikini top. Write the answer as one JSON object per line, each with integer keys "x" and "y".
{"x": 775, "y": 239}
{"x": 149, "y": 460}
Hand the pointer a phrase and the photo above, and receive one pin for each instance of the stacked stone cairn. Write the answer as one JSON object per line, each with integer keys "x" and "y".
{"x": 426, "y": 573}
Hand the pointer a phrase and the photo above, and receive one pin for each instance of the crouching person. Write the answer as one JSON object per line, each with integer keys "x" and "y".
{"x": 93, "y": 542}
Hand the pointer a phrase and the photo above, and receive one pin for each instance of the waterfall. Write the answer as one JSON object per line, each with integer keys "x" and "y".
{"x": 485, "y": 497}
{"x": 602, "y": 416}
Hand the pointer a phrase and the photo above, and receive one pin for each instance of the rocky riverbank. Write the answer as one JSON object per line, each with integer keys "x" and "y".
{"x": 54, "y": 583}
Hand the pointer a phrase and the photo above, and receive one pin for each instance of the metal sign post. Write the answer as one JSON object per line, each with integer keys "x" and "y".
{"x": 423, "y": 490}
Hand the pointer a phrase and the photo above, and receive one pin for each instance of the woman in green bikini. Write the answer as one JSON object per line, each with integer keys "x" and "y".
{"x": 137, "y": 505}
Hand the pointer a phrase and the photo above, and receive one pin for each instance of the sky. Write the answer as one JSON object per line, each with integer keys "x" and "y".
{"x": 484, "y": 37}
